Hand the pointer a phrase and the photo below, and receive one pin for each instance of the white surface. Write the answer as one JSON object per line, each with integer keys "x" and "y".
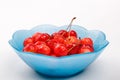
{"x": 103, "y": 15}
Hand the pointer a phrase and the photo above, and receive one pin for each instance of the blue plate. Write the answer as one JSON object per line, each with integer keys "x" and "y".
{"x": 58, "y": 66}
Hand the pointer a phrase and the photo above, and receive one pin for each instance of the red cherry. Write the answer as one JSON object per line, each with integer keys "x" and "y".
{"x": 40, "y": 43}
{"x": 63, "y": 33}
{"x": 51, "y": 44}
{"x": 30, "y": 48}
{"x": 60, "y": 50}
{"x": 73, "y": 33}
{"x": 43, "y": 49}
{"x": 87, "y": 41}
{"x": 72, "y": 40}
{"x": 36, "y": 36}
{"x": 28, "y": 41}
{"x": 44, "y": 37}
{"x": 54, "y": 34}
{"x": 85, "y": 49}
{"x": 59, "y": 39}
{"x": 72, "y": 48}
{"x": 73, "y": 44}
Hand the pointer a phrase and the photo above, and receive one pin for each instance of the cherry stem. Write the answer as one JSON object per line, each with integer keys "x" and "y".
{"x": 69, "y": 26}
{"x": 79, "y": 38}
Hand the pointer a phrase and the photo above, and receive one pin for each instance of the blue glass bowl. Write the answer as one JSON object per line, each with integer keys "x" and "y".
{"x": 58, "y": 66}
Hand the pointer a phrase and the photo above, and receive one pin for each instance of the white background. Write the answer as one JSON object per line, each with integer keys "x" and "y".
{"x": 102, "y": 15}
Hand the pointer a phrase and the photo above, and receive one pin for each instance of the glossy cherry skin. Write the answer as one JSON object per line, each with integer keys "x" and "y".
{"x": 53, "y": 35}
{"x": 28, "y": 41}
{"x": 73, "y": 33}
{"x": 87, "y": 41}
{"x": 30, "y": 48}
{"x": 36, "y": 36}
{"x": 72, "y": 44}
{"x": 40, "y": 43}
{"x": 44, "y": 37}
{"x": 50, "y": 43}
{"x": 63, "y": 33}
{"x": 60, "y": 50}
{"x": 43, "y": 49}
{"x": 72, "y": 40}
{"x": 72, "y": 48}
{"x": 59, "y": 39}
{"x": 85, "y": 49}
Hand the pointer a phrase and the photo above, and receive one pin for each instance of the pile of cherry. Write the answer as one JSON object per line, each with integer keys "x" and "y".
{"x": 61, "y": 43}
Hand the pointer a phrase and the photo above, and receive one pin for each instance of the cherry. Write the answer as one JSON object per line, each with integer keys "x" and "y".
{"x": 58, "y": 39}
{"x": 60, "y": 50}
{"x": 51, "y": 43}
{"x": 85, "y": 49}
{"x": 63, "y": 33}
{"x": 36, "y": 36}
{"x": 72, "y": 48}
{"x": 72, "y": 40}
{"x": 60, "y": 35}
{"x": 73, "y": 33}
{"x": 43, "y": 49}
{"x": 28, "y": 41}
{"x": 87, "y": 41}
{"x": 72, "y": 44}
{"x": 44, "y": 37}
{"x": 30, "y": 48}
{"x": 39, "y": 43}
{"x": 54, "y": 34}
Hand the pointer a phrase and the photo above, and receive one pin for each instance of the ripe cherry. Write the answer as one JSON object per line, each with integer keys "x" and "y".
{"x": 63, "y": 33}
{"x": 85, "y": 49}
{"x": 51, "y": 43}
{"x": 72, "y": 48}
{"x": 28, "y": 41}
{"x": 54, "y": 34}
{"x": 58, "y": 39}
{"x": 36, "y": 36}
{"x": 43, "y": 49}
{"x": 72, "y": 33}
{"x": 87, "y": 41}
{"x": 40, "y": 43}
{"x": 30, "y": 48}
{"x": 44, "y": 37}
{"x": 72, "y": 40}
{"x": 60, "y": 50}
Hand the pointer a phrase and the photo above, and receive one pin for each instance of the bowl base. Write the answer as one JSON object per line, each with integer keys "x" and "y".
{"x": 59, "y": 76}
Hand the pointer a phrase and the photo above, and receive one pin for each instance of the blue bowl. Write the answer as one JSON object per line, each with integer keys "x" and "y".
{"x": 58, "y": 66}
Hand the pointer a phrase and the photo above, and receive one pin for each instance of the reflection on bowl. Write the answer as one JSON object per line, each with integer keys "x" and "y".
{"x": 58, "y": 66}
